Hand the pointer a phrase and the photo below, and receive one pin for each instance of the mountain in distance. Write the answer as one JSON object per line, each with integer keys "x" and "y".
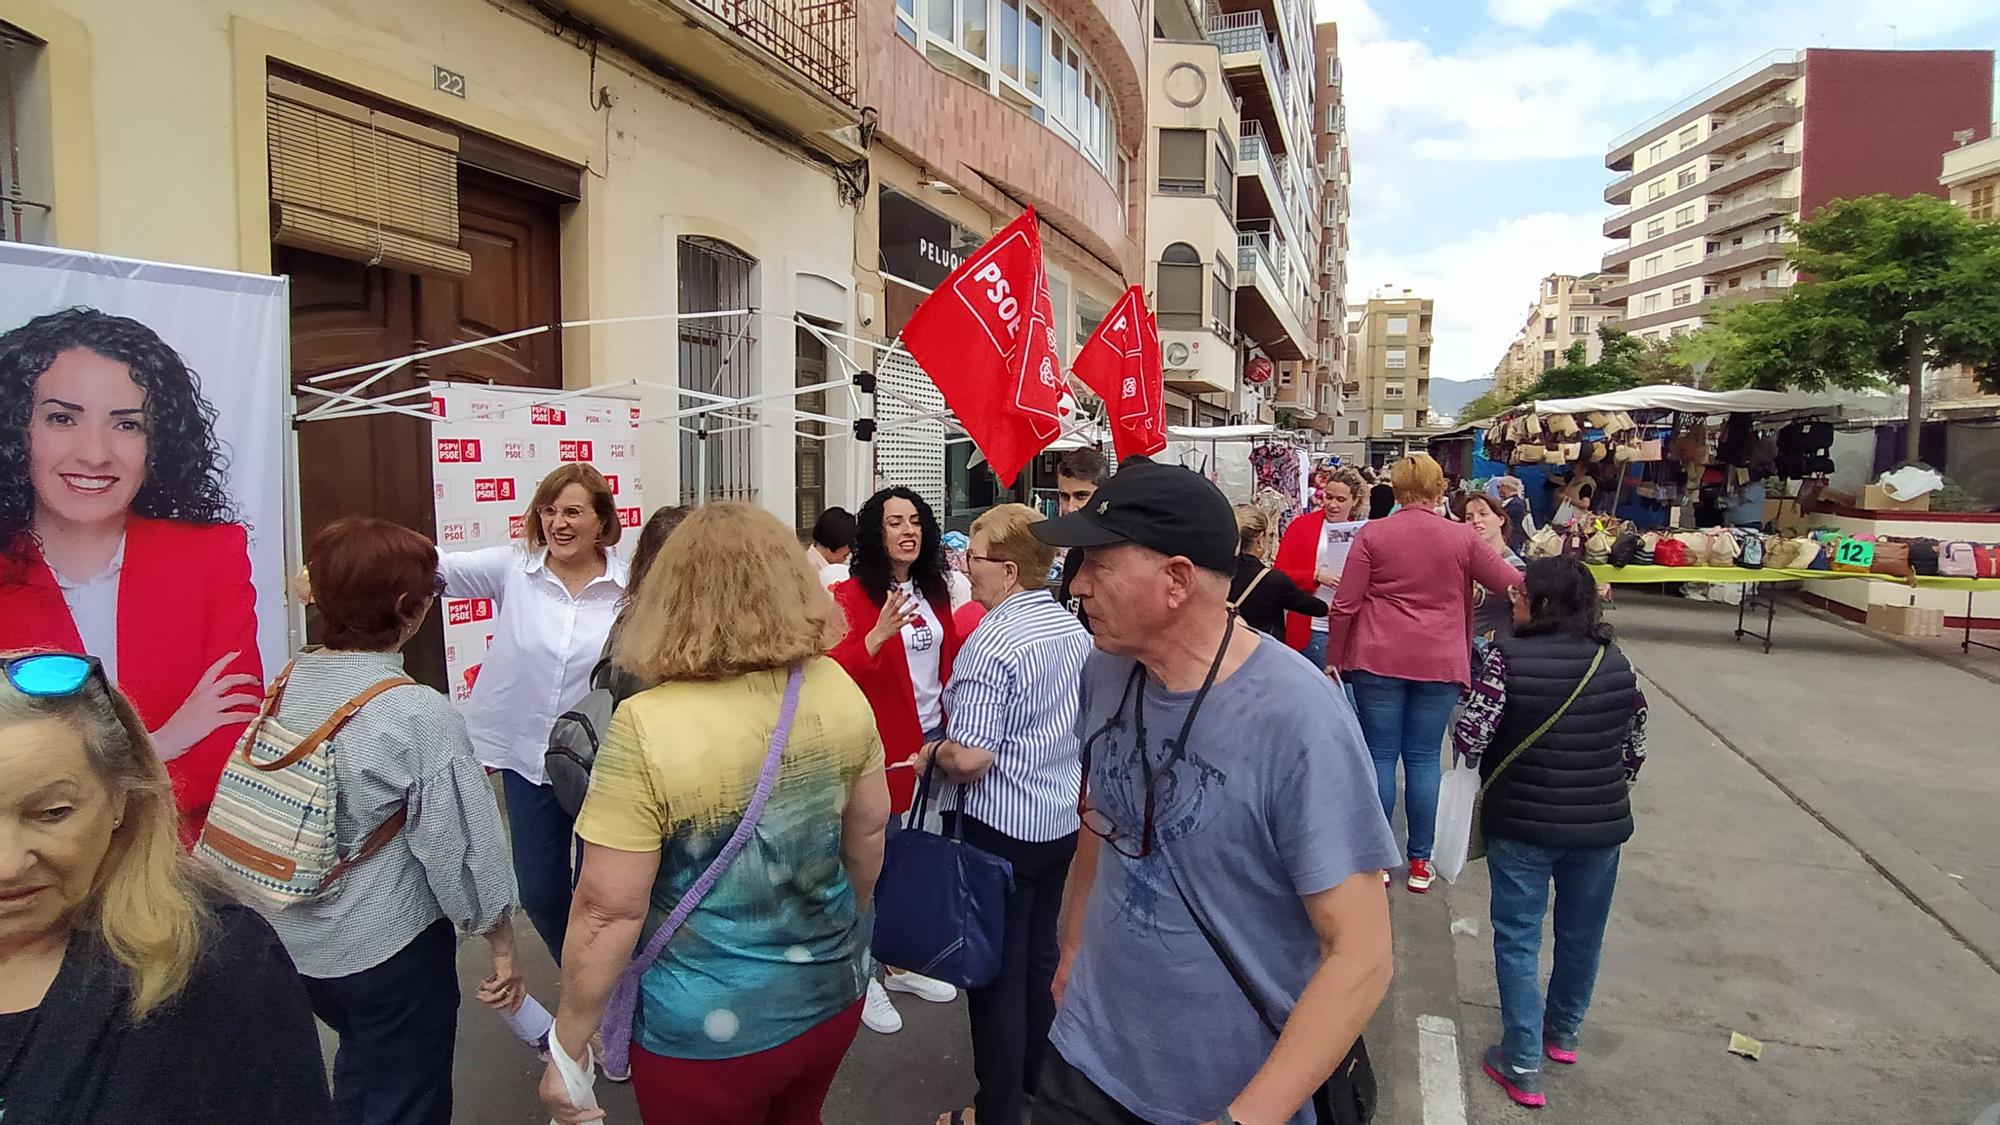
{"x": 1449, "y": 396}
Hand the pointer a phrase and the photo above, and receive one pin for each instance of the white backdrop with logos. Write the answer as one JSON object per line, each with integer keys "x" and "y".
{"x": 490, "y": 447}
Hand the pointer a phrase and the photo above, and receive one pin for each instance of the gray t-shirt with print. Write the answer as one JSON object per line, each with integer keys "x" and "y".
{"x": 1274, "y": 799}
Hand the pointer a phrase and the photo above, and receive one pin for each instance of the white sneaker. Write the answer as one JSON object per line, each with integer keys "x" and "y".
{"x": 878, "y": 1013}
{"x": 922, "y": 987}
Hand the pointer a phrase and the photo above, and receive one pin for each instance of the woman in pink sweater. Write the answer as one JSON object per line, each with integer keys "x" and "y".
{"x": 1401, "y": 628}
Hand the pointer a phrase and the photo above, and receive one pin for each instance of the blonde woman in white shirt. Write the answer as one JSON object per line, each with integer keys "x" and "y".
{"x": 555, "y": 598}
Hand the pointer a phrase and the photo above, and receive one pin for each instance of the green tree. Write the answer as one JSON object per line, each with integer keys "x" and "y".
{"x": 1485, "y": 406}
{"x": 1889, "y": 287}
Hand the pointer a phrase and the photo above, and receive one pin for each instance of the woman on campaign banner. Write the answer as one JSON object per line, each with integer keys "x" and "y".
{"x": 118, "y": 536}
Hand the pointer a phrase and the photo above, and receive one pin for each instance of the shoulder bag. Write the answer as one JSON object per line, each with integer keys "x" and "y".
{"x": 616, "y": 1026}
{"x": 272, "y": 831}
{"x": 1348, "y": 1096}
{"x": 1238, "y": 600}
{"x": 941, "y": 903}
{"x": 1476, "y": 845}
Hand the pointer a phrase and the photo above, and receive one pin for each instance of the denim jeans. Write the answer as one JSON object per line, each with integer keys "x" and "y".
{"x": 542, "y": 835}
{"x": 1521, "y": 874}
{"x": 1404, "y": 720}
{"x": 1315, "y": 649}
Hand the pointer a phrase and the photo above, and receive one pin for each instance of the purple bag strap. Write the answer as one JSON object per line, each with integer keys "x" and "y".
{"x": 616, "y": 1026}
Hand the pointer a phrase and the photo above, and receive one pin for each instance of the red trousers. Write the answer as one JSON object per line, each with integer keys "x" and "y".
{"x": 785, "y": 1085}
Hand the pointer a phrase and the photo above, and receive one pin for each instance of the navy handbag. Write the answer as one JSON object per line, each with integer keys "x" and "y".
{"x": 940, "y": 903}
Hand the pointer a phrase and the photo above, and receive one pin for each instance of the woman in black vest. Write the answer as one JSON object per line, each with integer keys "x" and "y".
{"x": 1558, "y": 726}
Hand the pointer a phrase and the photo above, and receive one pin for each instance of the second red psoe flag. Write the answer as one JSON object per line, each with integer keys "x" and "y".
{"x": 986, "y": 337}
{"x": 1121, "y": 362}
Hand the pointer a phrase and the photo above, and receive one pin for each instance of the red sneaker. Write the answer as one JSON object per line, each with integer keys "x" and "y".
{"x": 1420, "y": 876}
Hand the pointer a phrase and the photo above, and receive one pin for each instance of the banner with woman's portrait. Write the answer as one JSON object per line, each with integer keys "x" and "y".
{"x": 142, "y": 477}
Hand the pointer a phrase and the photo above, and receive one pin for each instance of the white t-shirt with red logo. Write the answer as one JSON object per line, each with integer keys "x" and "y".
{"x": 923, "y": 645}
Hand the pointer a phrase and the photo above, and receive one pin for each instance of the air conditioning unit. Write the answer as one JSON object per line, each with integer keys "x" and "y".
{"x": 1177, "y": 354}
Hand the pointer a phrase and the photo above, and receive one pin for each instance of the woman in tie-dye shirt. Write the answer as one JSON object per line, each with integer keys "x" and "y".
{"x": 748, "y": 1011}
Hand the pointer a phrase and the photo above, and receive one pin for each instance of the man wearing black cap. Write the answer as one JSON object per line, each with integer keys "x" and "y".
{"x": 1233, "y": 835}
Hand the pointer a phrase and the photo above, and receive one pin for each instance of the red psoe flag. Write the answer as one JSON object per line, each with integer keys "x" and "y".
{"x": 986, "y": 337}
{"x": 1121, "y": 362}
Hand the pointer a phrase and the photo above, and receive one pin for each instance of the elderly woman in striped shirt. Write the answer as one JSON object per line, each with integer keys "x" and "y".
{"x": 1012, "y": 703}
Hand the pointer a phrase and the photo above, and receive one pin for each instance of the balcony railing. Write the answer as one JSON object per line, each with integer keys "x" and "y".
{"x": 813, "y": 37}
{"x": 1235, "y": 32}
{"x": 1702, "y": 95}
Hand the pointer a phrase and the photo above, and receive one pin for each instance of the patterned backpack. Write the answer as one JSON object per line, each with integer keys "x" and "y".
{"x": 270, "y": 830}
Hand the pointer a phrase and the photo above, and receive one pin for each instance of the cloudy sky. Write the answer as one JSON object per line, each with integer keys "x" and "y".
{"x": 1479, "y": 128}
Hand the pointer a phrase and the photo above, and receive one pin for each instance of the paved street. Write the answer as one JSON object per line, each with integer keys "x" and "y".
{"x": 1815, "y": 928}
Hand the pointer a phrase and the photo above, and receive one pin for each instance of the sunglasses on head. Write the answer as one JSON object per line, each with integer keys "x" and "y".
{"x": 49, "y": 675}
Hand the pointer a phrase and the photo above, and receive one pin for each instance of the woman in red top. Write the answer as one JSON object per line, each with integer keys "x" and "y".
{"x": 1401, "y": 628}
{"x": 119, "y": 539}
{"x": 901, "y": 639}
{"x": 1313, "y": 564}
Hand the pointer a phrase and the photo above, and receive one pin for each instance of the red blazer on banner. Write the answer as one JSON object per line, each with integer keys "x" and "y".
{"x": 1121, "y": 362}
{"x": 184, "y": 602}
{"x": 986, "y": 337}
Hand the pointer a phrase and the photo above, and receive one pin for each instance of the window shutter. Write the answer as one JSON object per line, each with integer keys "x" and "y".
{"x": 360, "y": 184}
{"x": 912, "y": 453}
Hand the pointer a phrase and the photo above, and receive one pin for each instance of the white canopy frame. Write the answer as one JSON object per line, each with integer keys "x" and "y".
{"x": 734, "y": 413}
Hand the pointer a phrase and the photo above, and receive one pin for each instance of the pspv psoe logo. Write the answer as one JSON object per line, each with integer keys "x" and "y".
{"x": 486, "y": 489}
{"x": 629, "y": 517}
{"x": 520, "y": 450}
{"x": 517, "y": 527}
{"x": 612, "y": 480}
{"x": 548, "y": 416}
{"x": 574, "y": 451}
{"x": 458, "y": 451}
{"x": 465, "y": 611}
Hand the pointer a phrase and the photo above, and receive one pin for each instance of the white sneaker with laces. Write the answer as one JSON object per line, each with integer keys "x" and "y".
{"x": 878, "y": 1013}
{"x": 922, "y": 987}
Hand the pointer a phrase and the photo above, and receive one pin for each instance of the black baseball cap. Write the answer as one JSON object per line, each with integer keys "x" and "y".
{"x": 1166, "y": 508}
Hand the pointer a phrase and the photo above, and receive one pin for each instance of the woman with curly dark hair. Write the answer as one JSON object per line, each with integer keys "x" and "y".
{"x": 900, "y": 643}
{"x": 117, "y": 537}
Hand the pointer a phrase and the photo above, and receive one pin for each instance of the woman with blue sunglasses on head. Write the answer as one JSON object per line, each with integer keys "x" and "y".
{"x": 129, "y": 989}
{"x": 118, "y": 537}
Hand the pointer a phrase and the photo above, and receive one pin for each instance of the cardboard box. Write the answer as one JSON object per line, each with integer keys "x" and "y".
{"x": 1876, "y": 498}
{"x": 1906, "y": 620}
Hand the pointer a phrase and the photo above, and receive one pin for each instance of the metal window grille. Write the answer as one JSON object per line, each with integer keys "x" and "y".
{"x": 718, "y": 356}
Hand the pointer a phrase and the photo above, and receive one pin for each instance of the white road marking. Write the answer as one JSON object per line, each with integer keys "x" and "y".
{"x": 1439, "y": 1077}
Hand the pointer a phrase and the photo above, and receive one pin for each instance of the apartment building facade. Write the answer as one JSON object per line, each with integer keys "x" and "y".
{"x": 1389, "y": 354}
{"x": 1235, "y": 190}
{"x": 1971, "y": 179}
{"x": 983, "y": 107}
{"x": 598, "y": 157}
{"x": 1706, "y": 188}
{"x": 1319, "y": 402}
{"x": 1567, "y": 309}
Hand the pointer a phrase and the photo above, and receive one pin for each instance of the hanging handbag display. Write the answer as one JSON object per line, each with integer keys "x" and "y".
{"x": 1347, "y": 1097}
{"x": 941, "y": 904}
{"x": 616, "y": 1027}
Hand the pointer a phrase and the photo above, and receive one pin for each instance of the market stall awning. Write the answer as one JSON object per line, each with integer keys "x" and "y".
{"x": 1690, "y": 400}
{"x": 1221, "y": 433}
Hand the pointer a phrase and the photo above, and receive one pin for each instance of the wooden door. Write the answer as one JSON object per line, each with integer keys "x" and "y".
{"x": 345, "y": 313}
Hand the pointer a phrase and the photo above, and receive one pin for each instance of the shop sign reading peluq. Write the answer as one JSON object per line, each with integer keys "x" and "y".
{"x": 490, "y": 448}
